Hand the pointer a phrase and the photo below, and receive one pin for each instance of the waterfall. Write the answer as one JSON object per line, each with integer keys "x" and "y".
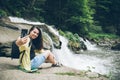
{"x": 21, "y": 20}
{"x": 89, "y": 45}
{"x": 81, "y": 61}
{"x": 68, "y": 58}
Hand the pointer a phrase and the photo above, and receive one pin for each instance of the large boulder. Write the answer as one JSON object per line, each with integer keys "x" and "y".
{"x": 10, "y": 31}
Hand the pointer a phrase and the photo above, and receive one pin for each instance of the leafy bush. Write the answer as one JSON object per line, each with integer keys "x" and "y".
{"x": 70, "y": 36}
{"x": 110, "y": 29}
{"x": 101, "y": 36}
{"x": 95, "y": 29}
{"x": 74, "y": 40}
{"x": 2, "y": 13}
{"x": 61, "y": 33}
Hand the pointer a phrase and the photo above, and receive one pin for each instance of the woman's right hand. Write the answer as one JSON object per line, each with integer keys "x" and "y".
{"x": 21, "y": 41}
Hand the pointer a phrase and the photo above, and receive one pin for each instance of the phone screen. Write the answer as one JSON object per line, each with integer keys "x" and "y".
{"x": 24, "y": 32}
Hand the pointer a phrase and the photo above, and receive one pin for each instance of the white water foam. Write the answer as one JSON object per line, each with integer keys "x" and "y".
{"x": 21, "y": 20}
{"x": 89, "y": 45}
{"x": 81, "y": 61}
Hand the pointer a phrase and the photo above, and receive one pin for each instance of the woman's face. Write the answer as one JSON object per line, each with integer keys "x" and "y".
{"x": 34, "y": 33}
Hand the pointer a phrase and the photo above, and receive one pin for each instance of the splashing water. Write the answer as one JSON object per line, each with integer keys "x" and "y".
{"x": 81, "y": 61}
{"x": 21, "y": 20}
{"x": 89, "y": 45}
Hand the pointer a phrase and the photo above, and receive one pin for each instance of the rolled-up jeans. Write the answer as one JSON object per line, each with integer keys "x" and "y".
{"x": 37, "y": 61}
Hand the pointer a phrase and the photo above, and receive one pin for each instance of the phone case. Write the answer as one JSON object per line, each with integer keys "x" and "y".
{"x": 23, "y": 32}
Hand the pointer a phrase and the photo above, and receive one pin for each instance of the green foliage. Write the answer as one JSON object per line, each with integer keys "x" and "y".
{"x": 61, "y": 33}
{"x": 110, "y": 75}
{"x": 74, "y": 39}
{"x": 102, "y": 36}
{"x": 77, "y": 16}
{"x": 77, "y": 37}
{"x": 66, "y": 73}
{"x": 70, "y": 36}
{"x": 18, "y": 13}
{"x": 95, "y": 29}
{"x": 86, "y": 19}
{"x": 110, "y": 29}
{"x": 2, "y": 13}
{"x": 107, "y": 14}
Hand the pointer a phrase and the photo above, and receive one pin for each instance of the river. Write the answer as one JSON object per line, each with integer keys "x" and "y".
{"x": 96, "y": 59}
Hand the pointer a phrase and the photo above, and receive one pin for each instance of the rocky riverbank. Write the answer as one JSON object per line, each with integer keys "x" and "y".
{"x": 9, "y": 71}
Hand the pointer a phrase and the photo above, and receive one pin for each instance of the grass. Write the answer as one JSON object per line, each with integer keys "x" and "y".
{"x": 102, "y": 35}
{"x": 66, "y": 73}
{"x": 81, "y": 73}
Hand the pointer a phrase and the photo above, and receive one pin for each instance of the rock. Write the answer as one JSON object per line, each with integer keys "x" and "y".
{"x": 52, "y": 34}
{"x": 92, "y": 74}
{"x": 10, "y": 71}
{"x": 116, "y": 47}
{"x": 10, "y": 32}
{"x": 77, "y": 46}
{"x": 5, "y": 49}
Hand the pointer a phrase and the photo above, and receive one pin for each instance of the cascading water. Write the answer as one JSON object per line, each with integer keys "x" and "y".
{"x": 89, "y": 45}
{"x": 81, "y": 61}
{"x": 21, "y": 20}
{"x": 94, "y": 59}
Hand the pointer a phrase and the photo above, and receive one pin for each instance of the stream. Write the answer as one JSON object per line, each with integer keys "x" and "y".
{"x": 100, "y": 60}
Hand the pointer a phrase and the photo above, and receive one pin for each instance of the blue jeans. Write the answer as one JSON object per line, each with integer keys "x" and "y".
{"x": 37, "y": 61}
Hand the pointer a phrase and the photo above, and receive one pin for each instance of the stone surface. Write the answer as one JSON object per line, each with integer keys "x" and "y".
{"x": 9, "y": 71}
{"x": 92, "y": 74}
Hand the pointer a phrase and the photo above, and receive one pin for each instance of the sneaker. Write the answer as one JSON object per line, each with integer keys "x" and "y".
{"x": 56, "y": 65}
{"x": 27, "y": 71}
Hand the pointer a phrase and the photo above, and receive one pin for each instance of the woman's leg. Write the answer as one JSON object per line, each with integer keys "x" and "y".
{"x": 49, "y": 56}
{"x": 39, "y": 59}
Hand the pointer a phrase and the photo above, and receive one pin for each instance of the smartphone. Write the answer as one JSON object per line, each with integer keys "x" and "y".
{"x": 24, "y": 32}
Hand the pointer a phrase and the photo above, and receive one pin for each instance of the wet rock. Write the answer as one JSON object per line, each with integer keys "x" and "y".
{"x": 77, "y": 46}
{"x": 55, "y": 38}
{"x": 92, "y": 74}
{"x": 5, "y": 49}
{"x": 116, "y": 47}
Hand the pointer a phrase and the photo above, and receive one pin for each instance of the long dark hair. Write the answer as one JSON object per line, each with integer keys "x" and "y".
{"x": 38, "y": 42}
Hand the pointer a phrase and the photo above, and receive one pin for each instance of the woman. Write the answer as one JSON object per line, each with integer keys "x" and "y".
{"x": 27, "y": 46}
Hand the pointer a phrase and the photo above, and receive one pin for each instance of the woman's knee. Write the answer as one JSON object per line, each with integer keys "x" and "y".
{"x": 48, "y": 53}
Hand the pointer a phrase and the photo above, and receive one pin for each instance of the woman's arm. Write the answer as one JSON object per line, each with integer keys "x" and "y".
{"x": 21, "y": 41}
